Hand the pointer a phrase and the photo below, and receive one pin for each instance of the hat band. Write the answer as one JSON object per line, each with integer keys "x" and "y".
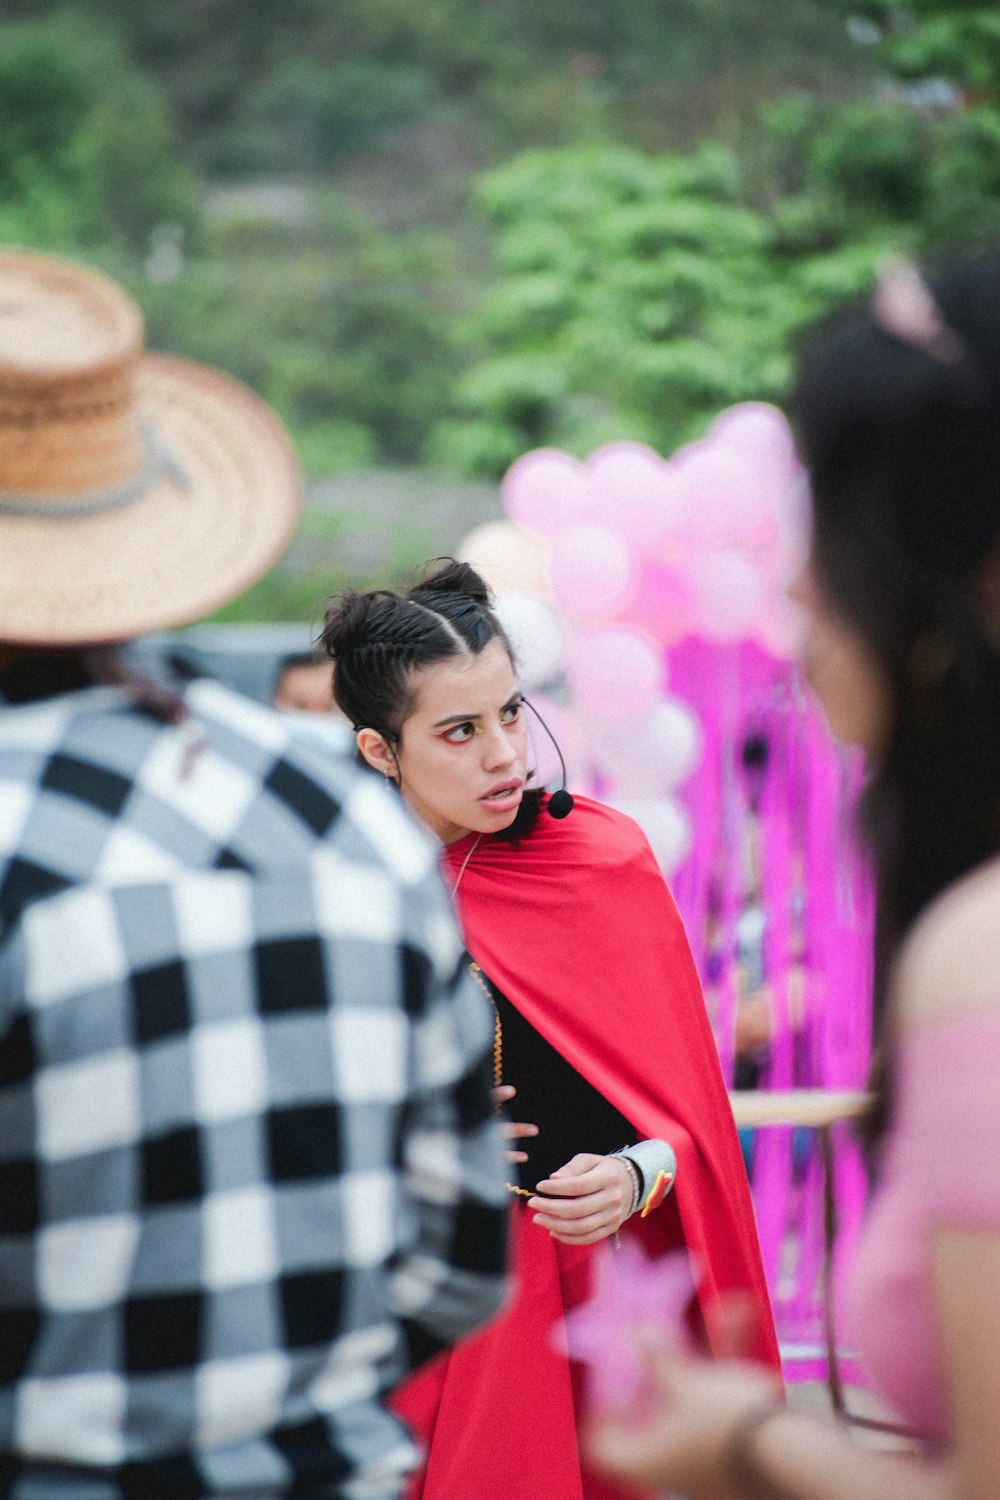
{"x": 158, "y": 462}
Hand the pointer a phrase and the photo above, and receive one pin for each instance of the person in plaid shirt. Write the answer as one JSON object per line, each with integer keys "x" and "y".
{"x": 250, "y": 1174}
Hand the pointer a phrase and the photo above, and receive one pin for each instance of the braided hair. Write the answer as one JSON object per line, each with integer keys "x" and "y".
{"x": 379, "y": 640}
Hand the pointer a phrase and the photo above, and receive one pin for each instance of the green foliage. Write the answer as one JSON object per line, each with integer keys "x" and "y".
{"x": 72, "y": 108}
{"x": 136, "y": 191}
{"x": 281, "y": 595}
{"x": 635, "y": 294}
{"x": 870, "y": 158}
{"x": 640, "y": 296}
{"x": 309, "y": 116}
{"x": 502, "y": 73}
{"x": 342, "y": 327}
{"x": 963, "y": 188}
{"x": 959, "y": 41}
{"x": 680, "y": 220}
{"x": 44, "y": 101}
{"x": 47, "y": 185}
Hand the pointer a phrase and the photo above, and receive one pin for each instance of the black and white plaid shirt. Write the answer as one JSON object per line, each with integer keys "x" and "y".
{"x": 248, "y": 1167}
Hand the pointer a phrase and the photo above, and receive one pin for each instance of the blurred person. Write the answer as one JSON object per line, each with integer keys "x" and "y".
{"x": 303, "y": 694}
{"x": 249, "y": 1171}
{"x": 304, "y": 684}
{"x": 898, "y": 414}
{"x": 601, "y": 1029}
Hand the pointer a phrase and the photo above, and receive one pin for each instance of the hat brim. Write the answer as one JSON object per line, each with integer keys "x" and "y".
{"x": 179, "y": 551}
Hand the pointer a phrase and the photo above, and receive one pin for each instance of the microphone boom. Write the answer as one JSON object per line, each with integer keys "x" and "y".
{"x": 560, "y": 804}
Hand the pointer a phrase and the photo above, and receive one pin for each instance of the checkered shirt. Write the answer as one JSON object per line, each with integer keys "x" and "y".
{"x": 249, "y": 1173}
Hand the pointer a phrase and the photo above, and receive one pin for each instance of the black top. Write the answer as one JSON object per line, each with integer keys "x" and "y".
{"x": 571, "y": 1114}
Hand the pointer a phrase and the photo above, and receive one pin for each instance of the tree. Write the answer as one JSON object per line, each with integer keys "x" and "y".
{"x": 344, "y": 327}
{"x": 72, "y": 109}
{"x": 637, "y": 296}
{"x": 958, "y": 41}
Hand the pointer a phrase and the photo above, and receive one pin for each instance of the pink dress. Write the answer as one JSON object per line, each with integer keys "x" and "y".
{"x": 940, "y": 1171}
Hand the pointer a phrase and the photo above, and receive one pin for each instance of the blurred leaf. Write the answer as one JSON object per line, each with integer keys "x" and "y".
{"x": 72, "y": 107}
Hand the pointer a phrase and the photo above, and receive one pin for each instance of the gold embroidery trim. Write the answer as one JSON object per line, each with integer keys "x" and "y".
{"x": 480, "y": 979}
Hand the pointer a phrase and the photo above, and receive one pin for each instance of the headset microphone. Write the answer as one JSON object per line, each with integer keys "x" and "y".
{"x": 560, "y": 804}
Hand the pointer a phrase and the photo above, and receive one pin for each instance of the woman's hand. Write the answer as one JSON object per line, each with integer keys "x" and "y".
{"x": 679, "y": 1439}
{"x": 512, "y": 1130}
{"x": 586, "y": 1200}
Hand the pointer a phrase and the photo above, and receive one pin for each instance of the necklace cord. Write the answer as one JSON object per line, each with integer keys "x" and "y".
{"x": 472, "y": 849}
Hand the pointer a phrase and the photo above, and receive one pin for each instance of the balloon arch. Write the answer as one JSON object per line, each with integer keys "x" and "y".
{"x": 646, "y": 600}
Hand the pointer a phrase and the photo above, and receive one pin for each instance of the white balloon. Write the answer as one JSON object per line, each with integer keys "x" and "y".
{"x": 567, "y": 733}
{"x": 652, "y": 757}
{"x": 507, "y": 556}
{"x": 666, "y": 825}
{"x": 675, "y": 737}
{"x": 537, "y": 635}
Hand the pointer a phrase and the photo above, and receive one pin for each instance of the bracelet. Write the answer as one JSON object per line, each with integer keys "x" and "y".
{"x": 741, "y": 1461}
{"x": 633, "y": 1172}
{"x": 655, "y": 1165}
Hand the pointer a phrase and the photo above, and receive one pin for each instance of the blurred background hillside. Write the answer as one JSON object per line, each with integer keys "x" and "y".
{"x": 436, "y": 235}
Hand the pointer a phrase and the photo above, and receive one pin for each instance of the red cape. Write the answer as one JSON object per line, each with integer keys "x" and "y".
{"x": 576, "y": 926}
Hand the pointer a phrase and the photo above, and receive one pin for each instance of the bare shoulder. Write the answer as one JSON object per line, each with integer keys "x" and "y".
{"x": 950, "y": 964}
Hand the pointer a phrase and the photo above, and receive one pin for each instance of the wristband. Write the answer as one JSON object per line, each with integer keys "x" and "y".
{"x": 656, "y": 1165}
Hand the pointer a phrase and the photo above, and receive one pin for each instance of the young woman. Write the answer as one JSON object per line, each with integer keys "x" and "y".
{"x": 899, "y": 423}
{"x": 601, "y": 1028}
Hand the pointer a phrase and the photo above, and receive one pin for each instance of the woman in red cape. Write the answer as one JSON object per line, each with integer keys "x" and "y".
{"x": 575, "y": 936}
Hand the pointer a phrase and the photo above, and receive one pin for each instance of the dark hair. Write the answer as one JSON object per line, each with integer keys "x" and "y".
{"x": 379, "y": 639}
{"x": 295, "y": 659}
{"x": 901, "y": 440}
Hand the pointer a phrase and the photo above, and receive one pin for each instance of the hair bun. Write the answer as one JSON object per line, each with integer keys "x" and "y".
{"x": 452, "y": 577}
{"x": 358, "y": 619}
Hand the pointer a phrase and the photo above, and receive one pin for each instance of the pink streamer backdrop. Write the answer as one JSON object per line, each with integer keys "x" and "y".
{"x": 815, "y": 950}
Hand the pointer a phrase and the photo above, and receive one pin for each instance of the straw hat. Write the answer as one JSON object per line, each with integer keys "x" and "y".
{"x": 137, "y": 491}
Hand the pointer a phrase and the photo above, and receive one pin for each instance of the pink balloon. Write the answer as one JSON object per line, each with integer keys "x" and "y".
{"x": 662, "y": 603}
{"x": 590, "y": 572}
{"x": 724, "y": 502}
{"x": 761, "y": 433}
{"x": 634, "y": 492}
{"x": 790, "y": 552}
{"x": 651, "y": 756}
{"x": 545, "y": 490}
{"x": 729, "y": 595}
{"x": 615, "y": 674}
{"x": 781, "y": 628}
